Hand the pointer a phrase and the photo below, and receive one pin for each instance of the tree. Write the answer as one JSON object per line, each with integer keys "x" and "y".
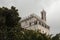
{"x": 9, "y": 20}
{"x": 56, "y": 37}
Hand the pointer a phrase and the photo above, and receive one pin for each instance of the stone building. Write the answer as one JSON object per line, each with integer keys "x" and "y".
{"x": 34, "y": 22}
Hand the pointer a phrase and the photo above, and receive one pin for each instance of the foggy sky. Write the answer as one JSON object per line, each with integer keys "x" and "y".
{"x": 27, "y": 7}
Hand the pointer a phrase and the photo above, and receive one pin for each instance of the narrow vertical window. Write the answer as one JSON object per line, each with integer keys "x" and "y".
{"x": 35, "y": 22}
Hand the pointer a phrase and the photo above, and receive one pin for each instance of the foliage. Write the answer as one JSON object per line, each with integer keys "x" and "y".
{"x": 9, "y": 22}
{"x": 32, "y": 35}
{"x": 56, "y": 37}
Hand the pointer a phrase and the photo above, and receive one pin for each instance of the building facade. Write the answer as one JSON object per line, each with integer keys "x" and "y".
{"x": 34, "y": 22}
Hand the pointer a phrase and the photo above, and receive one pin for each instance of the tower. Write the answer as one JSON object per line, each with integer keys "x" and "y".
{"x": 43, "y": 15}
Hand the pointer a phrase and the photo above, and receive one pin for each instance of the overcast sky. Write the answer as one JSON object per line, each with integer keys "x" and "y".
{"x": 27, "y": 7}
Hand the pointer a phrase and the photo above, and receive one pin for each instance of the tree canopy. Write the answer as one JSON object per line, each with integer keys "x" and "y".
{"x": 9, "y": 19}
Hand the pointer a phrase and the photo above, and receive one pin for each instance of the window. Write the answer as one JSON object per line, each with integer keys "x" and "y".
{"x": 45, "y": 26}
{"x": 40, "y": 23}
{"x": 35, "y": 22}
{"x": 42, "y": 31}
{"x": 30, "y": 23}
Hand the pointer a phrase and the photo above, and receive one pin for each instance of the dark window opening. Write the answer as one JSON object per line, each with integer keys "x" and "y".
{"x": 30, "y": 24}
{"x": 45, "y": 26}
{"x": 40, "y": 23}
{"x": 35, "y": 22}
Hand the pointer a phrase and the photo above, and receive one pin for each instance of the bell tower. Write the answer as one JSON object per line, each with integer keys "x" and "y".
{"x": 43, "y": 15}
